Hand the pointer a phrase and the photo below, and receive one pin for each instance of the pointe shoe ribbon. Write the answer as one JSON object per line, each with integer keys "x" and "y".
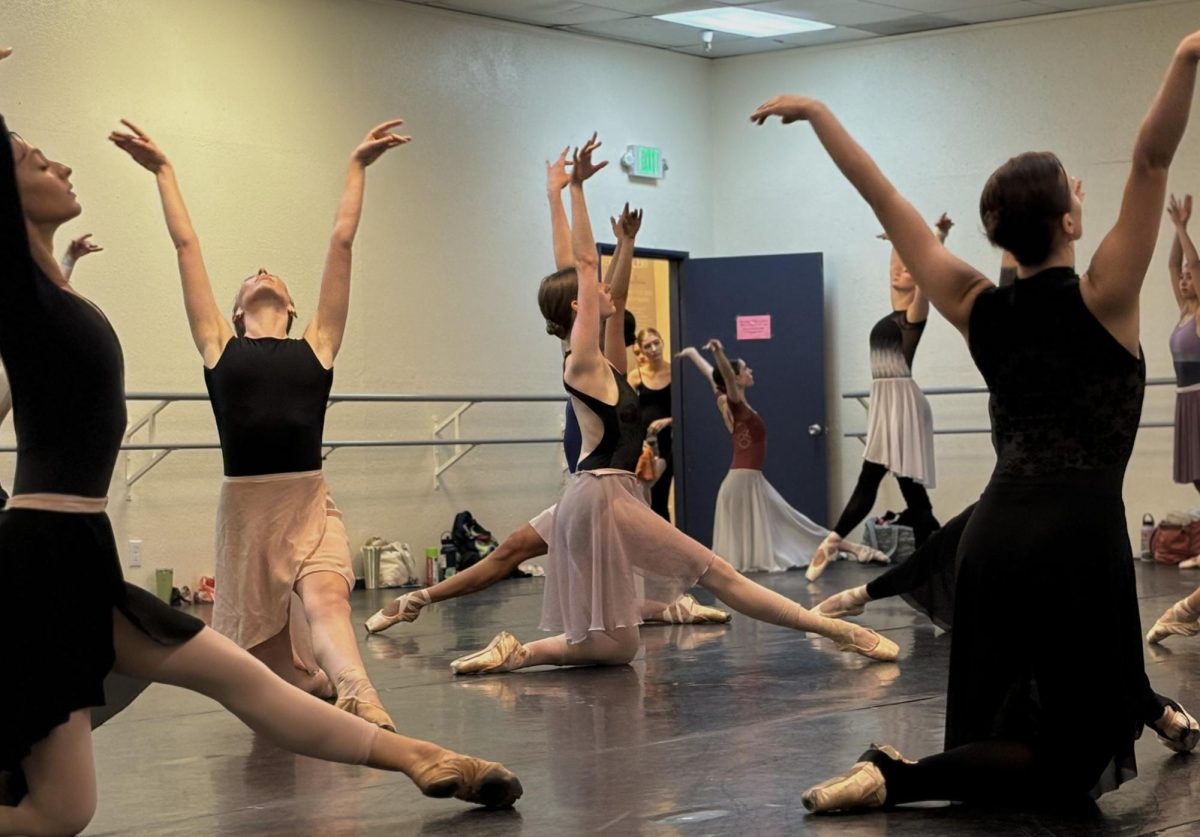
{"x": 504, "y": 653}
{"x": 356, "y": 695}
{"x": 410, "y": 605}
{"x": 1177, "y": 729}
{"x": 687, "y": 611}
{"x": 471, "y": 780}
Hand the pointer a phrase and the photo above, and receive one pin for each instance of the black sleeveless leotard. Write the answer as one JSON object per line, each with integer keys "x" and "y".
{"x": 269, "y": 397}
{"x": 66, "y": 372}
{"x": 620, "y": 446}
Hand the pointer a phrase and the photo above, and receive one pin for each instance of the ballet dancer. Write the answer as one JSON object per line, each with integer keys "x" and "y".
{"x": 278, "y": 530}
{"x": 754, "y": 527}
{"x": 1060, "y": 355}
{"x": 899, "y": 420}
{"x": 652, "y": 381}
{"x": 1185, "y": 350}
{"x": 604, "y": 536}
{"x": 68, "y": 438}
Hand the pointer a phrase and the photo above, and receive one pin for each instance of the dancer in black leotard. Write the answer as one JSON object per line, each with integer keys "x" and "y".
{"x": 1026, "y": 723}
{"x": 278, "y": 530}
{"x": 68, "y": 438}
{"x": 604, "y": 535}
{"x": 899, "y": 421}
{"x": 652, "y": 380}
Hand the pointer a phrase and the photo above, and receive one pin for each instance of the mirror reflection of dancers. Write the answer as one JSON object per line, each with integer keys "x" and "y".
{"x": 68, "y": 438}
{"x": 754, "y": 527}
{"x": 899, "y": 420}
{"x": 652, "y": 381}
{"x": 278, "y": 530}
{"x": 604, "y": 537}
{"x": 1061, "y": 358}
{"x": 531, "y": 539}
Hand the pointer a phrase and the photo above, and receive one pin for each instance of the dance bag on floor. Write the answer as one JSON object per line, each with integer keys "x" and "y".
{"x": 471, "y": 540}
{"x": 1172, "y": 539}
{"x": 894, "y": 540}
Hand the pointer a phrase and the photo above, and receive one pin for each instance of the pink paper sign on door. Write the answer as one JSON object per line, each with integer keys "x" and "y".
{"x": 757, "y": 327}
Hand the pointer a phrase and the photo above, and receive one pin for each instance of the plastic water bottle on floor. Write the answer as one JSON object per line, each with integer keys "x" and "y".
{"x": 1147, "y": 531}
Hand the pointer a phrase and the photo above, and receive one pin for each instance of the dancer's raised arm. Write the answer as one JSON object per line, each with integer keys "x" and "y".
{"x": 76, "y": 250}
{"x": 557, "y": 179}
{"x": 620, "y": 270}
{"x": 697, "y": 359}
{"x": 1114, "y": 278}
{"x": 1183, "y": 251}
{"x": 586, "y": 357}
{"x": 327, "y": 328}
{"x": 950, "y": 283}
{"x": 210, "y": 330}
{"x": 733, "y": 389}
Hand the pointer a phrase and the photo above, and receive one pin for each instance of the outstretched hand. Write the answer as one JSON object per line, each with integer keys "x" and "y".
{"x": 582, "y": 166}
{"x": 1077, "y": 188}
{"x": 788, "y": 108}
{"x": 943, "y": 224}
{"x": 5, "y": 52}
{"x": 378, "y": 140}
{"x": 140, "y": 147}
{"x": 1180, "y": 211}
{"x": 627, "y": 226}
{"x": 714, "y": 345}
{"x": 557, "y": 176}
{"x": 80, "y": 247}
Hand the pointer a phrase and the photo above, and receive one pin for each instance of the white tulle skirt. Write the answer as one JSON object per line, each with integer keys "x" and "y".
{"x": 609, "y": 553}
{"x": 755, "y": 529}
{"x": 900, "y": 430}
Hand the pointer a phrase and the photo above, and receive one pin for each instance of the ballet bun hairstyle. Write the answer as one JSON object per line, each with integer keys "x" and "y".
{"x": 555, "y": 295}
{"x": 719, "y": 380}
{"x": 1023, "y": 203}
{"x": 630, "y": 328}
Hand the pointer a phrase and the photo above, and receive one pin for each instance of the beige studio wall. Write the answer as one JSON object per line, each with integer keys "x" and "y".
{"x": 259, "y": 103}
{"x": 939, "y": 112}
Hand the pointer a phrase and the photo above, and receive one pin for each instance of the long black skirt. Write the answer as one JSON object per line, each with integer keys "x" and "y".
{"x": 62, "y": 580}
{"x": 1037, "y": 555}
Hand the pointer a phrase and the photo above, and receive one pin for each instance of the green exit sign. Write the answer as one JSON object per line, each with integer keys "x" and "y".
{"x": 644, "y": 161}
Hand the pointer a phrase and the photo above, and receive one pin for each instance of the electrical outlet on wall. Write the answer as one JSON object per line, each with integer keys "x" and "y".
{"x": 135, "y": 552}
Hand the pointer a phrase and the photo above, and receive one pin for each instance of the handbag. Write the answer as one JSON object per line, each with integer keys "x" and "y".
{"x": 894, "y": 540}
{"x": 1173, "y": 538}
{"x": 397, "y": 567}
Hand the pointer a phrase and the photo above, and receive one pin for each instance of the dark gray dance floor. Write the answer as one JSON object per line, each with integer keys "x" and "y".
{"x": 714, "y": 730}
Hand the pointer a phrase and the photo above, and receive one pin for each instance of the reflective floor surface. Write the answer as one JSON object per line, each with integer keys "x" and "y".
{"x": 714, "y": 730}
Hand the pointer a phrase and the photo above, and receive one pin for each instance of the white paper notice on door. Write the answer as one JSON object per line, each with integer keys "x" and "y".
{"x": 755, "y": 327}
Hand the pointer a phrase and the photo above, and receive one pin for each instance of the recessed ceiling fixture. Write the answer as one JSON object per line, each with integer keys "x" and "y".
{"x": 745, "y": 22}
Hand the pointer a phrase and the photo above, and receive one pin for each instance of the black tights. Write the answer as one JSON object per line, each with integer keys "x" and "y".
{"x": 863, "y": 498}
{"x": 996, "y": 772}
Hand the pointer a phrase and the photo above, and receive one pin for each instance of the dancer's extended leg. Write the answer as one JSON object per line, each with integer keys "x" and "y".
{"x": 214, "y": 666}
{"x": 327, "y": 605}
{"x": 754, "y": 600}
{"x": 506, "y": 653}
{"x": 62, "y": 783}
{"x": 277, "y": 654}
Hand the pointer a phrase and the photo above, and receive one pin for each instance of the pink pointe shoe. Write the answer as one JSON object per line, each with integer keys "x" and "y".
{"x": 826, "y": 552}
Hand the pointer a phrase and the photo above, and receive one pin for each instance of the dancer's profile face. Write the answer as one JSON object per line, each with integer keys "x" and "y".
{"x": 745, "y": 377}
{"x": 1187, "y": 289}
{"x": 902, "y": 280}
{"x": 44, "y": 186}
{"x": 607, "y": 308}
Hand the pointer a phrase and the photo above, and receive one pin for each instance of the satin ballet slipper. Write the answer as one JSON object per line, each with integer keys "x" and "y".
{"x": 1177, "y": 729}
{"x": 826, "y": 553}
{"x": 1178, "y": 620}
{"x": 470, "y": 779}
{"x": 410, "y": 605}
{"x": 862, "y": 786}
{"x": 356, "y": 695}
{"x": 687, "y": 611}
{"x": 850, "y": 602}
{"x": 504, "y": 653}
{"x": 860, "y": 640}
{"x": 864, "y": 554}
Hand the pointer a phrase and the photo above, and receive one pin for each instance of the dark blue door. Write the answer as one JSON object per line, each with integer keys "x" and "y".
{"x": 789, "y": 372}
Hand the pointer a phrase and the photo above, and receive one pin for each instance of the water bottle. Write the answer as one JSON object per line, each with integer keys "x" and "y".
{"x": 1147, "y": 531}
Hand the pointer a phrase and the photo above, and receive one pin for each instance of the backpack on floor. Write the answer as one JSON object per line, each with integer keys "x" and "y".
{"x": 893, "y": 539}
{"x": 471, "y": 540}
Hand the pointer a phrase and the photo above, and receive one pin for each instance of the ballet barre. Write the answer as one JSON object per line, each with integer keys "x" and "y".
{"x": 446, "y": 432}
{"x": 862, "y": 397}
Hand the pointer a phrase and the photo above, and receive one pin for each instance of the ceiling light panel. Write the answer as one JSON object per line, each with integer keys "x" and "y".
{"x": 748, "y": 23}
